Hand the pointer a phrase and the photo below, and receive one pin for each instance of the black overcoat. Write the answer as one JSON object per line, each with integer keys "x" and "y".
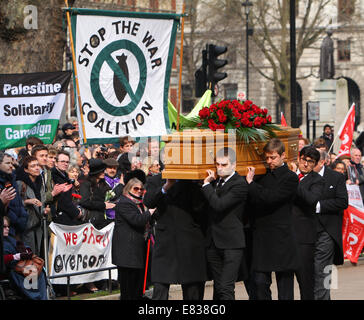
{"x": 93, "y": 199}
{"x": 309, "y": 192}
{"x": 179, "y": 251}
{"x": 66, "y": 211}
{"x": 332, "y": 203}
{"x": 271, "y": 198}
{"x": 128, "y": 242}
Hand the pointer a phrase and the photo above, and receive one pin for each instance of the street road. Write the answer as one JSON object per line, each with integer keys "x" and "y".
{"x": 349, "y": 286}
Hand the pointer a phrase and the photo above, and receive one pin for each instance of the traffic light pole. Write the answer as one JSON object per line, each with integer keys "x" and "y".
{"x": 293, "y": 63}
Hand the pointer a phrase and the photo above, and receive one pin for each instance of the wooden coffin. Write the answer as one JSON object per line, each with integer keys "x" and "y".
{"x": 190, "y": 153}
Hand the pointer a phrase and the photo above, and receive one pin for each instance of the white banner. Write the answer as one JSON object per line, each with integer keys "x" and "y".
{"x": 80, "y": 248}
{"x": 355, "y": 198}
{"x": 123, "y": 64}
{"x": 31, "y": 105}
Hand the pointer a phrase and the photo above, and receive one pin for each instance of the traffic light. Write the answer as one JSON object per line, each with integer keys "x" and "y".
{"x": 213, "y": 76}
{"x": 201, "y": 76}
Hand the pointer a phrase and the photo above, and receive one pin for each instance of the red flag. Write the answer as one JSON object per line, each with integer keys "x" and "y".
{"x": 346, "y": 132}
{"x": 283, "y": 120}
{"x": 353, "y": 233}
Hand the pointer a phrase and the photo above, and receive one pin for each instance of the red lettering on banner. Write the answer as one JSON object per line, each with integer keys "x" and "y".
{"x": 70, "y": 237}
{"x": 353, "y": 233}
{"x": 99, "y": 239}
{"x": 84, "y": 235}
{"x": 91, "y": 236}
{"x": 67, "y": 237}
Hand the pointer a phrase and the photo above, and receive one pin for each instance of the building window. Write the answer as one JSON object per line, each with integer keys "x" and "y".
{"x": 343, "y": 50}
{"x": 346, "y": 10}
{"x": 231, "y": 91}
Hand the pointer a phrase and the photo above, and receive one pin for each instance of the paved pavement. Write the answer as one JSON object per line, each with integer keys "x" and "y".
{"x": 349, "y": 285}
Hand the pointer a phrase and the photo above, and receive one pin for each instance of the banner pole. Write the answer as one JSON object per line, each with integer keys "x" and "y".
{"x": 146, "y": 267}
{"x": 75, "y": 72}
{"x": 180, "y": 67}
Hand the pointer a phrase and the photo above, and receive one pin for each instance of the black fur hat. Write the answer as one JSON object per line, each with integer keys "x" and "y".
{"x": 137, "y": 173}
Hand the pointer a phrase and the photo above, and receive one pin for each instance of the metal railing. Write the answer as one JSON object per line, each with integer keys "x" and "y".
{"x": 69, "y": 275}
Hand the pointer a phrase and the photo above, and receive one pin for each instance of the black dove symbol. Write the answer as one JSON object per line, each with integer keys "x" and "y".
{"x": 119, "y": 88}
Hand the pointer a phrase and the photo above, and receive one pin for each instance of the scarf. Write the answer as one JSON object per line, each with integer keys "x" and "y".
{"x": 139, "y": 202}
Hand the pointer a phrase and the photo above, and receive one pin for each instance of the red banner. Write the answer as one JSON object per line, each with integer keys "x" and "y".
{"x": 346, "y": 132}
{"x": 353, "y": 233}
{"x": 283, "y": 120}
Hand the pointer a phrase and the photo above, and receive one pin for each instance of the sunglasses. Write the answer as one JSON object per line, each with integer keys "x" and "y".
{"x": 137, "y": 189}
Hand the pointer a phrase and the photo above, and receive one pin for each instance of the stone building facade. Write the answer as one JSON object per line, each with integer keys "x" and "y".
{"x": 346, "y": 18}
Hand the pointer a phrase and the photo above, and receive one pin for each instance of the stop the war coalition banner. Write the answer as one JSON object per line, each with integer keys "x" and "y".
{"x": 123, "y": 63}
{"x": 80, "y": 248}
{"x": 31, "y": 105}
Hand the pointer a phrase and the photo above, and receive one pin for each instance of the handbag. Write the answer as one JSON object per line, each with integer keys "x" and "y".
{"x": 27, "y": 267}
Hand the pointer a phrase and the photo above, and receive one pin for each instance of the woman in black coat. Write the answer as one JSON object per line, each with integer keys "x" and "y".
{"x": 129, "y": 240}
{"x": 93, "y": 191}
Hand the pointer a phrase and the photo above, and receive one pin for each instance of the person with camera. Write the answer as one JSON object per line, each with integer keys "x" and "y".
{"x": 15, "y": 210}
{"x": 6, "y": 195}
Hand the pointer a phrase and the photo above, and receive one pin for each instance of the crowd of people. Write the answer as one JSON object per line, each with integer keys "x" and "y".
{"x": 226, "y": 228}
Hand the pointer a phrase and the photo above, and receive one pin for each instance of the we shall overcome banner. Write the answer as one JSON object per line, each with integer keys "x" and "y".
{"x": 123, "y": 63}
{"x": 31, "y": 105}
{"x": 80, "y": 248}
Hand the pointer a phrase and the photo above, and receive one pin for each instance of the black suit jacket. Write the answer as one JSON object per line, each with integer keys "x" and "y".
{"x": 270, "y": 205}
{"x": 225, "y": 214}
{"x": 179, "y": 251}
{"x": 332, "y": 203}
{"x": 309, "y": 192}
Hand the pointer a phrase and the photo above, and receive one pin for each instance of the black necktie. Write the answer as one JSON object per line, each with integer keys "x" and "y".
{"x": 219, "y": 185}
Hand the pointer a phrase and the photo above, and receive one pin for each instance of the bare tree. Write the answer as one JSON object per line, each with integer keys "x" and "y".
{"x": 32, "y": 38}
{"x": 270, "y": 21}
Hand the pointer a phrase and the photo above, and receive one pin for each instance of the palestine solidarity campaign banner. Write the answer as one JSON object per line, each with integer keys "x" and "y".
{"x": 31, "y": 105}
{"x": 124, "y": 62}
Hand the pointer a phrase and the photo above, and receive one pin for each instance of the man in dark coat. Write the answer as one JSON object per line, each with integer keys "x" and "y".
{"x": 329, "y": 213}
{"x": 16, "y": 211}
{"x": 179, "y": 251}
{"x": 225, "y": 238}
{"x": 271, "y": 199}
{"x": 309, "y": 192}
{"x": 6, "y": 195}
{"x": 66, "y": 212}
{"x": 328, "y": 136}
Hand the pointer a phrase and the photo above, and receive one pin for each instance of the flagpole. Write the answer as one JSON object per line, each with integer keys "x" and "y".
{"x": 75, "y": 73}
{"x": 341, "y": 127}
{"x": 180, "y": 67}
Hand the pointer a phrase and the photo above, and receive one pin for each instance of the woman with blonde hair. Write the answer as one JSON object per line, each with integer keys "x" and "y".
{"x": 129, "y": 238}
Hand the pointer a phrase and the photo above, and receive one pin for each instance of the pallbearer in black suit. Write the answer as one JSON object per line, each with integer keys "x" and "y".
{"x": 309, "y": 192}
{"x": 329, "y": 214}
{"x": 274, "y": 250}
{"x": 225, "y": 237}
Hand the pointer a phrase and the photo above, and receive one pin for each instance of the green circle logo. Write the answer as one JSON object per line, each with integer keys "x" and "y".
{"x": 121, "y": 75}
